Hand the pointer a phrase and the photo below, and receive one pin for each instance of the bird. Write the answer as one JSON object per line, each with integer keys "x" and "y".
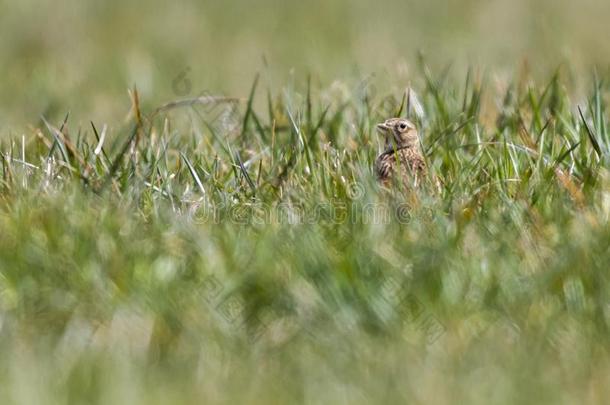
{"x": 402, "y": 159}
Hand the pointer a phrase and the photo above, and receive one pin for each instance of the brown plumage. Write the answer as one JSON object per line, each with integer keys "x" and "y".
{"x": 402, "y": 156}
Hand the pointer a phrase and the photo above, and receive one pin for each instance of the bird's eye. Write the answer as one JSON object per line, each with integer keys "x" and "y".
{"x": 403, "y": 126}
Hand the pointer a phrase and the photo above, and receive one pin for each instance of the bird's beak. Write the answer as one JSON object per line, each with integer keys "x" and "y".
{"x": 383, "y": 128}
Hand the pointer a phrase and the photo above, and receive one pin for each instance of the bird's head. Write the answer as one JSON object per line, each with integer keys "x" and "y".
{"x": 399, "y": 132}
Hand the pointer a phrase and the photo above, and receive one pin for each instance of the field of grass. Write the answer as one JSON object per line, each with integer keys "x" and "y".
{"x": 217, "y": 235}
{"x": 253, "y": 257}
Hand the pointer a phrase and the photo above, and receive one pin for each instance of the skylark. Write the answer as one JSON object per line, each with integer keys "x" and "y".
{"x": 402, "y": 158}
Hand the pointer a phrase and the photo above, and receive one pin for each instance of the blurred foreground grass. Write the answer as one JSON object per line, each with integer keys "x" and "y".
{"x": 218, "y": 254}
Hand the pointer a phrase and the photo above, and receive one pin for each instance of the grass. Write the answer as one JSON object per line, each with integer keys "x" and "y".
{"x": 233, "y": 251}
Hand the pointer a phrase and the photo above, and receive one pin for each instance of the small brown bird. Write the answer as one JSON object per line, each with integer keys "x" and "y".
{"x": 402, "y": 156}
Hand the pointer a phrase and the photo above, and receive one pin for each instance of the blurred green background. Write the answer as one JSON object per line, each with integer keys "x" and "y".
{"x": 81, "y": 56}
